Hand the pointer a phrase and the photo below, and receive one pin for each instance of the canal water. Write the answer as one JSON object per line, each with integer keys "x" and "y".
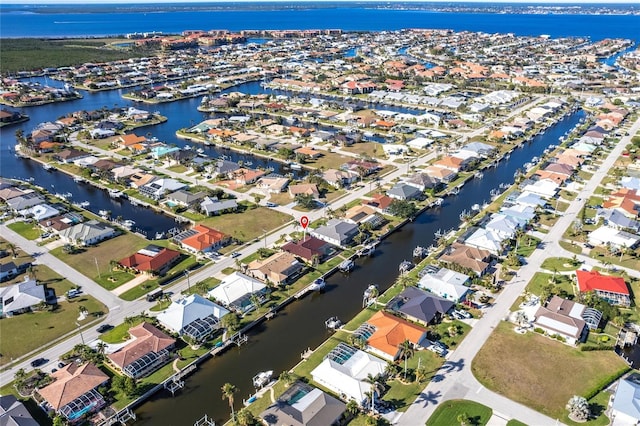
{"x": 278, "y": 343}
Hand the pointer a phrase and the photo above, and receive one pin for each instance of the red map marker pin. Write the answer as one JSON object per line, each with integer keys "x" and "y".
{"x": 304, "y": 221}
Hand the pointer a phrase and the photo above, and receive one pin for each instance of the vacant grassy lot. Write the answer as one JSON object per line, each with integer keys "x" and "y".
{"x": 447, "y": 413}
{"x": 328, "y": 160}
{"x": 30, "y": 53}
{"x": 24, "y": 333}
{"x": 249, "y": 224}
{"x": 528, "y": 371}
{"x": 113, "y": 249}
{"x": 27, "y": 229}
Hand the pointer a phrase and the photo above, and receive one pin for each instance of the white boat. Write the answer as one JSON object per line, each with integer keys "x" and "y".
{"x": 78, "y": 179}
{"x": 419, "y": 251}
{"x": 405, "y": 266}
{"x": 455, "y": 191}
{"x": 84, "y": 204}
{"x": 346, "y": 265}
{"x": 200, "y": 151}
{"x": 128, "y": 223}
{"x": 333, "y": 323}
{"x": 295, "y": 166}
{"x": 318, "y": 284}
{"x": 475, "y": 207}
{"x": 104, "y": 214}
{"x": 479, "y": 175}
{"x": 262, "y": 378}
{"x": 370, "y": 291}
{"x": 114, "y": 193}
{"x": 47, "y": 167}
{"x": 438, "y": 202}
{"x": 248, "y": 163}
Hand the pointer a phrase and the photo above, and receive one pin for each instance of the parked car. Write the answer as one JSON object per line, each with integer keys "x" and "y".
{"x": 235, "y": 254}
{"x": 38, "y": 362}
{"x": 462, "y": 314}
{"x": 104, "y": 327}
{"x": 73, "y": 293}
{"x": 589, "y": 246}
{"x": 270, "y": 204}
{"x": 61, "y": 365}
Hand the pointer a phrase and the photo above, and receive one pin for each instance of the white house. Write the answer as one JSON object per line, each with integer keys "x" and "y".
{"x": 485, "y": 239}
{"x": 87, "y": 233}
{"x": 236, "y": 289}
{"x": 420, "y": 143}
{"x": 445, "y": 283}
{"x": 192, "y": 315}
{"x": 607, "y": 235}
{"x": 544, "y": 187}
{"x": 20, "y": 297}
{"x": 625, "y": 404}
{"x": 504, "y": 226}
{"x": 345, "y": 373}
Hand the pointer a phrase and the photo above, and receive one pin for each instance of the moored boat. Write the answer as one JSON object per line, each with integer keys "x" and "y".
{"x": 318, "y": 284}
{"x": 333, "y": 323}
{"x": 346, "y": 265}
{"x": 262, "y": 378}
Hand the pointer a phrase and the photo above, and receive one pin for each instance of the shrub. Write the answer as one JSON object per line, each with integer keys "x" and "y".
{"x": 538, "y": 330}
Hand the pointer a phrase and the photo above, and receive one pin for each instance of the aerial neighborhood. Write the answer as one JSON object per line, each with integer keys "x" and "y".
{"x": 472, "y": 214}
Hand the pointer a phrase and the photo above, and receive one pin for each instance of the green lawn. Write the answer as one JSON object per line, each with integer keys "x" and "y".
{"x": 527, "y": 245}
{"x": 560, "y": 264}
{"x": 249, "y": 224}
{"x": 541, "y": 279}
{"x": 97, "y": 258}
{"x": 113, "y": 278}
{"x": 447, "y": 413}
{"x": 26, "y": 229}
{"x": 527, "y": 374}
{"x": 514, "y": 422}
{"x": 24, "y": 333}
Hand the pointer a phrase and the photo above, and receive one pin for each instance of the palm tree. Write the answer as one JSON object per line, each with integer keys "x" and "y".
{"x": 352, "y": 408}
{"x": 12, "y": 248}
{"x": 376, "y": 388}
{"x": 405, "y": 281}
{"x": 463, "y": 419}
{"x": 287, "y": 378}
{"x": 406, "y": 352}
{"x": 521, "y": 318}
{"x": 101, "y": 347}
{"x": 578, "y": 408}
{"x": 20, "y": 377}
{"x": 256, "y": 301}
{"x": 245, "y": 417}
{"x": 227, "y": 393}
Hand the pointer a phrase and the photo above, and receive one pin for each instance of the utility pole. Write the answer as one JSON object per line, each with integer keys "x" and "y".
{"x": 97, "y": 267}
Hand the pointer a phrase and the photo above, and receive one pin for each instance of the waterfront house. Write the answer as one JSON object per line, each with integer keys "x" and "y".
{"x": 39, "y": 212}
{"x": 612, "y": 289}
{"x": 139, "y": 179}
{"x": 132, "y": 142}
{"x": 201, "y": 239}
{"x": 544, "y": 187}
{"x": 380, "y": 202}
{"x": 519, "y": 211}
{"x": 58, "y": 223}
{"x": 389, "y": 334}
{"x": 14, "y": 413}
{"x": 123, "y": 173}
{"x": 529, "y": 199}
{"x": 446, "y": 283}
{"x": 503, "y": 226}
{"x": 420, "y": 306}
{"x": 480, "y": 149}
{"x": 28, "y": 199}
{"x": 485, "y": 239}
{"x": 624, "y": 405}
{"x": 403, "y": 191}
{"x": 455, "y": 164}
{"x": 212, "y": 205}
{"x": 423, "y": 181}
{"x": 185, "y": 199}
{"x": 608, "y": 235}
{"x": 309, "y": 248}
{"x": 148, "y": 350}
{"x": 303, "y": 405}
{"x": 74, "y": 392}
{"x": 361, "y": 167}
{"x": 562, "y": 317}
{"x": 192, "y": 316}
{"x": 21, "y": 297}
{"x": 9, "y": 192}
{"x": 360, "y": 214}
{"x": 345, "y": 370}
{"x": 420, "y": 143}
{"x": 469, "y": 258}
{"x": 151, "y": 259}
{"x": 441, "y": 174}
{"x": 70, "y": 155}
{"x": 235, "y": 291}
{"x": 87, "y": 233}
{"x": 337, "y": 232}
{"x": 158, "y": 188}
{"x": 280, "y": 268}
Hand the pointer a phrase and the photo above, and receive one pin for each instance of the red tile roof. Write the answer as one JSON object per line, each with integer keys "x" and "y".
{"x": 594, "y": 281}
{"x": 147, "y": 339}
{"x": 142, "y": 262}
{"x": 205, "y": 238}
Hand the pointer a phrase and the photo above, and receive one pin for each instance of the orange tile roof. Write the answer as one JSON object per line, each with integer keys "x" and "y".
{"x": 142, "y": 262}
{"x": 205, "y": 238}
{"x": 593, "y": 281}
{"x": 391, "y": 331}
{"x": 132, "y": 139}
{"x": 147, "y": 339}
{"x": 71, "y": 382}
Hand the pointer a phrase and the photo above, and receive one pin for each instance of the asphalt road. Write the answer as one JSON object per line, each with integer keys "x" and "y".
{"x": 455, "y": 379}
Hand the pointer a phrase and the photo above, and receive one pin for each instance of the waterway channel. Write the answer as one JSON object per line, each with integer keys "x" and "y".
{"x": 277, "y": 343}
